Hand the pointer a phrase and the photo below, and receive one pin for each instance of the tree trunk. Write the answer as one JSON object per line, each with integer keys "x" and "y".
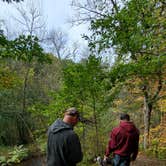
{"x": 22, "y": 125}
{"x": 96, "y": 126}
{"x": 24, "y": 90}
{"x": 147, "y": 117}
{"x": 83, "y": 140}
{"x": 149, "y": 101}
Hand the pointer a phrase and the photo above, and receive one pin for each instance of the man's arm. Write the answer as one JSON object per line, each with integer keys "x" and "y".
{"x": 135, "y": 152}
{"x": 74, "y": 147}
{"x": 111, "y": 144}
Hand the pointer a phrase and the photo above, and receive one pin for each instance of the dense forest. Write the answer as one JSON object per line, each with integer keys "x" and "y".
{"x": 37, "y": 85}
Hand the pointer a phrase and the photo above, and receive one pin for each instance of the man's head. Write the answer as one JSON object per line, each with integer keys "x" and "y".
{"x": 71, "y": 116}
{"x": 72, "y": 112}
{"x": 124, "y": 116}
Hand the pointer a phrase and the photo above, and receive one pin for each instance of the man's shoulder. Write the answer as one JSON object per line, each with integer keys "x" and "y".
{"x": 69, "y": 133}
{"x": 116, "y": 129}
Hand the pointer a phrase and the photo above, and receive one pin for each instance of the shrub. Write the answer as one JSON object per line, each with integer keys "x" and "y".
{"x": 18, "y": 154}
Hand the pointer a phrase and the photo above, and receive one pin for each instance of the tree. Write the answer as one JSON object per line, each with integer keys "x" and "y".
{"x": 84, "y": 87}
{"x": 148, "y": 78}
{"x": 26, "y": 53}
{"x": 31, "y": 20}
{"x": 58, "y": 41}
{"x": 135, "y": 30}
{"x": 26, "y": 50}
{"x": 88, "y": 10}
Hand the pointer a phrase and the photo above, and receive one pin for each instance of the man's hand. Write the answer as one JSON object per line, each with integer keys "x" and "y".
{"x": 133, "y": 158}
{"x": 104, "y": 163}
{"x": 105, "y": 158}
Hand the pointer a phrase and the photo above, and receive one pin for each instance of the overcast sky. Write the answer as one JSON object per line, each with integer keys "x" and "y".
{"x": 56, "y": 13}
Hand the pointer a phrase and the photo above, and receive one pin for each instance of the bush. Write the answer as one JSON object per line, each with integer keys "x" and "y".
{"x": 18, "y": 154}
{"x": 3, "y": 161}
{"x": 157, "y": 146}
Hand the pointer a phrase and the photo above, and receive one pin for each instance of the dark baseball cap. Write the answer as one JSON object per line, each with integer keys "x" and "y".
{"x": 72, "y": 112}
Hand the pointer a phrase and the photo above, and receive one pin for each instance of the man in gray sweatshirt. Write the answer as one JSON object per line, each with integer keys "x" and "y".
{"x": 63, "y": 145}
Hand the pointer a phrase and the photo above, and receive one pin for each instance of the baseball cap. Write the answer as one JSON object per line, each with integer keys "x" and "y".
{"x": 72, "y": 112}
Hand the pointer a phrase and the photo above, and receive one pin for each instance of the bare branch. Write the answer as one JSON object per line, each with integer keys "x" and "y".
{"x": 31, "y": 19}
{"x": 58, "y": 41}
{"x": 92, "y": 9}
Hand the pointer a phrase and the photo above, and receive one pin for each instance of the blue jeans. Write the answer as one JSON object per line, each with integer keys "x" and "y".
{"x": 121, "y": 160}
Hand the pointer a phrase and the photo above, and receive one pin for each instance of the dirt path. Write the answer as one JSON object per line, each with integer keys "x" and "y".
{"x": 146, "y": 161}
{"x": 143, "y": 160}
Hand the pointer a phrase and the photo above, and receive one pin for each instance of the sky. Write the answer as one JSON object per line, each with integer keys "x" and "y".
{"x": 56, "y": 13}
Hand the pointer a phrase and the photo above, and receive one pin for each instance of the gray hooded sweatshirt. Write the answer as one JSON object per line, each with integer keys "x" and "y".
{"x": 63, "y": 146}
